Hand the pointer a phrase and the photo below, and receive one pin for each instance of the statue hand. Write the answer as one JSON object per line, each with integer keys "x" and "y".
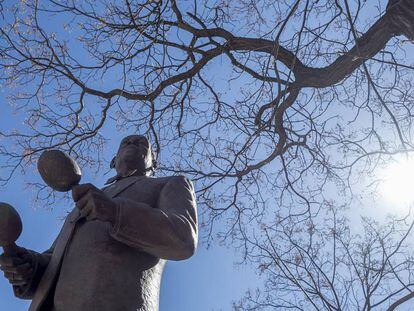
{"x": 19, "y": 267}
{"x": 94, "y": 203}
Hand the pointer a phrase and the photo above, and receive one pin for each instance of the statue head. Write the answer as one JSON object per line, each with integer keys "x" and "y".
{"x": 134, "y": 157}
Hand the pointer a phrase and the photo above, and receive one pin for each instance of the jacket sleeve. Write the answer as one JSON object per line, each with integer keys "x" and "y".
{"x": 40, "y": 262}
{"x": 167, "y": 231}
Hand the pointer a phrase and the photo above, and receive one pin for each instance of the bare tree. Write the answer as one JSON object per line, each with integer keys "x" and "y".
{"x": 265, "y": 104}
{"x": 322, "y": 265}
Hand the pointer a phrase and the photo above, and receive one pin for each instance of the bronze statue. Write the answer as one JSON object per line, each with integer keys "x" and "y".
{"x": 112, "y": 247}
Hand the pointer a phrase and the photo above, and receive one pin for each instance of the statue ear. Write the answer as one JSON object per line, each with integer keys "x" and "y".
{"x": 112, "y": 165}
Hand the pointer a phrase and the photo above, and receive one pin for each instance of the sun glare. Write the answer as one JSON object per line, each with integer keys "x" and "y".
{"x": 397, "y": 184}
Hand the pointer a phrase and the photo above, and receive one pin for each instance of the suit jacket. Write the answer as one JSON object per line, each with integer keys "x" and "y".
{"x": 95, "y": 266}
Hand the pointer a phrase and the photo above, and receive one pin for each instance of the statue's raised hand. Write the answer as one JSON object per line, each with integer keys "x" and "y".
{"x": 18, "y": 267}
{"x": 94, "y": 203}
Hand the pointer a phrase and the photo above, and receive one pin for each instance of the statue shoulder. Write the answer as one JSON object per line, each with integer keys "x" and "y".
{"x": 175, "y": 179}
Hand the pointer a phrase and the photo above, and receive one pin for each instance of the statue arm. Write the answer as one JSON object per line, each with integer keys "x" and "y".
{"x": 39, "y": 262}
{"x": 168, "y": 231}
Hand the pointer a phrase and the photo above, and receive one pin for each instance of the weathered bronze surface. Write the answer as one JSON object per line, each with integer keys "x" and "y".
{"x": 110, "y": 253}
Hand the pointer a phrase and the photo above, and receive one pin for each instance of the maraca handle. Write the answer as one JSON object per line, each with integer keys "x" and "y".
{"x": 10, "y": 249}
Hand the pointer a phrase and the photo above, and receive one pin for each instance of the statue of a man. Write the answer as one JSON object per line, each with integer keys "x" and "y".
{"x": 111, "y": 251}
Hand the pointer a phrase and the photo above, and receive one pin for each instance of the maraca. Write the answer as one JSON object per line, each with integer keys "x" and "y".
{"x": 59, "y": 170}
{"x": 10, "y": 228}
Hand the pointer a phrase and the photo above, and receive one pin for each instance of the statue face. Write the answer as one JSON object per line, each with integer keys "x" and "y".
{"x": 134, "y": 152}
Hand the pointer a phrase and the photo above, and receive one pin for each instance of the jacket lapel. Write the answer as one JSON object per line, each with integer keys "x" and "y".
{"x": 50, "y": 273}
